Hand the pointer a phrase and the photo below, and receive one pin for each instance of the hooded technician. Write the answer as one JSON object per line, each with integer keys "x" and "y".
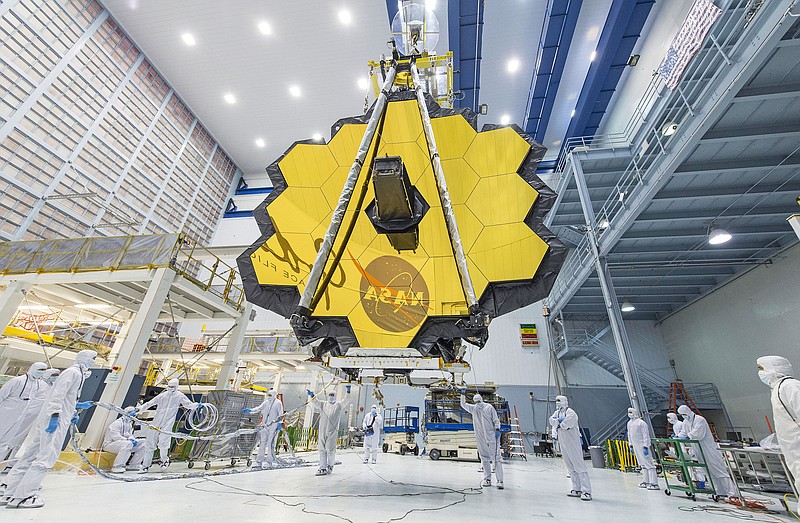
{"x": 564, "y": 422}
{"x": 271, "y": 417}
{"x": 696, "y": 427}
{"x": 330, "y": 412}
{"x": 47, "y": 435}
{"x": 18, "y": 405}
{"x": 677, "y": 425}
{"x": 120, "y": 441}
{"x": 167, "y": 404}
{"x": 487, "y": 434}
{"x": 372, "y": 425}
{"x": 776, "y": 372}
{"x": 25, "y": 422}
{"x": 639, "y": 441}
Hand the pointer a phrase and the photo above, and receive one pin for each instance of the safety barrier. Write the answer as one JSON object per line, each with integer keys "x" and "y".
{"x": 619, "y": 456}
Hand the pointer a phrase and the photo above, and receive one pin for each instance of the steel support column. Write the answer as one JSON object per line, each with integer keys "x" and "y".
{"x": 129, "y": 357}
{"x": 610, "y": 298}
{"x": 235, "y": 341}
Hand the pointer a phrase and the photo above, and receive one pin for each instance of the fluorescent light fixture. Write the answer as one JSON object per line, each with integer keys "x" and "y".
{"x": 294, "y": 91}
{"x": 718, "y": 236}
{"x": 512, "y": 66}
{"x": 363, "y": 83}
{"x": 265, "y": 28}
{"x": 505, "y": 119}
{"x": 345, "y": 17}
{"x": 33, "y": 308}
{"x": 260, "y": 142}
{"x": 593, "y": 56}
{"x": 299, "y": 367}
{"x": 317, "y": 137}
{"x": 627, "y": 306}
{"x": 188, "y": 39}
{"x": 230, "y": 98}
{"x": 572, "y": 113}
{"x": 669, "y": 128}
{"x": 92, "y": 306}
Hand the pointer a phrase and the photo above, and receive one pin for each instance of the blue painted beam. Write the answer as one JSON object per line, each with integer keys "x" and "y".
{"x": 237, "y": 214}
{"x": 554, "y": 43}
{"x": 253, "y": 190}
{"x": 622, "y": 29}
{"x": 391, "y": 10}
{"x": 465, "y": 32}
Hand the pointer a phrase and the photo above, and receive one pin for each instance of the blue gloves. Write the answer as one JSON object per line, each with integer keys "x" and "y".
{"x": 247, "y": 411}
{"x": 133, "y": 412}
{"x": 646, "y": 452}
{"x": 75, "y": 418}
{"x": 199, "y": 404}
{"x": 347, "y": 388}
{"x": 561, "y": 420}
{"x": 463, "y": 390}
{"x": 53, "y": 425}
{"x": 82, "y": 405}
{"x": 133, "y": 442}
{"x": 630, "y": 447}
{"x": 310, "y": 394}
{"x": 683, "y": 437}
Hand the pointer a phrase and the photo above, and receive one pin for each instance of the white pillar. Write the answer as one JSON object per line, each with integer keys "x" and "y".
{"x": 10, "y": 300}
{"x": 276, "y": 384}
{"x": 228, "y": 369}
{"x": 130, "y": 353}
{"x": 4, "y": 365}
{"x": 124, "y": 328}
{"x": 165, "y": 372}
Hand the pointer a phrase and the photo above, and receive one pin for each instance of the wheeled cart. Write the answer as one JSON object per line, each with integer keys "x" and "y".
{"x": 675, "y": 457}
{"x": 231, "y": 418}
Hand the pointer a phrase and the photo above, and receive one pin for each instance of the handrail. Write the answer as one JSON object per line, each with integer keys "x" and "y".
{"x": 658, "y": 108}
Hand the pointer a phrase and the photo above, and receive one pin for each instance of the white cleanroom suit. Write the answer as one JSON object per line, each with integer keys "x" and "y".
{"x": 330, "y": 412}
{"x": 639, "y": 441}
{"x": 564, "y": 422}
{"x": 372, "y": 425}
{"x": 20, "y": 401}
{"x": 696, "y": 427}
{"x": 167, "y": 404}
{"x": 487, "y": 434}
{"x": 271, "y": 410}
{"x": 120, "y": 441}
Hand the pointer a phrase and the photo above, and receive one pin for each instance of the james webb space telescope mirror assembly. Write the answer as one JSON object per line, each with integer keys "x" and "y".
{"x": 409, "y": 229}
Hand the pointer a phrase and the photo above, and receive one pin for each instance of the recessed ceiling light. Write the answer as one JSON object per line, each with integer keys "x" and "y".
{"x": 265, "y": 28}
{"x": 513, "y": 65}
{"x": 317, "y": 137}
{"x": 260, "y": 142}
{"x": 669, "y": 128}
{"x": 593, "y": 56}
{"x": 188, "y": 39}
{"x": 345, "y": 17}
{"x": 363, "y": 83}
{"x": 230, "y": 98}
{"x": 505, "y": 119}
{"x": 294, "y": 91}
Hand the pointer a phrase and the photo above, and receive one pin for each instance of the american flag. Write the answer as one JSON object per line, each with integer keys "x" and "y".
{"x": 689, "y": 40}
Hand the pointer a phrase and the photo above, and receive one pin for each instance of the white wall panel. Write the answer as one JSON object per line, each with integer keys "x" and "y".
{"x": 719, "y": 338}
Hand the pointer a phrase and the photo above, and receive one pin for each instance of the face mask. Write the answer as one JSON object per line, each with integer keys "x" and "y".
{"x": 331, "y": 399}
{"x": 768, "y": 376}
{"x": 51, "y": 379}
{"x": 631, "y": 415}
{"x": 37, "y": 374}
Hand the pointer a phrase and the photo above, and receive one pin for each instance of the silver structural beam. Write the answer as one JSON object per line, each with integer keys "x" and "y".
{"x": 444, "y": 195}
{"x": 621, "y": 340}
{"x": 347, "y": 193}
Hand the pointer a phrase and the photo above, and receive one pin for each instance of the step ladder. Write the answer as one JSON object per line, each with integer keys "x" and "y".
{"x": 516, "y": 445}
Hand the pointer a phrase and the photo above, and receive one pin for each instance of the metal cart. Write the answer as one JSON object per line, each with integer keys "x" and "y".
{"x": 400, "y": 425}
{"x": 673, "y": 457}
{"x": 231, "y": 418}
{"x": 760, "y": 470}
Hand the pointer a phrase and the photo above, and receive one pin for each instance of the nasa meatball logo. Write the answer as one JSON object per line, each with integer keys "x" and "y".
{"x": 393, "y": 294}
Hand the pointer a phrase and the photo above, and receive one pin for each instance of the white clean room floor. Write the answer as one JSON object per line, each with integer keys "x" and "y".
{"x": 433, "y": 492}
